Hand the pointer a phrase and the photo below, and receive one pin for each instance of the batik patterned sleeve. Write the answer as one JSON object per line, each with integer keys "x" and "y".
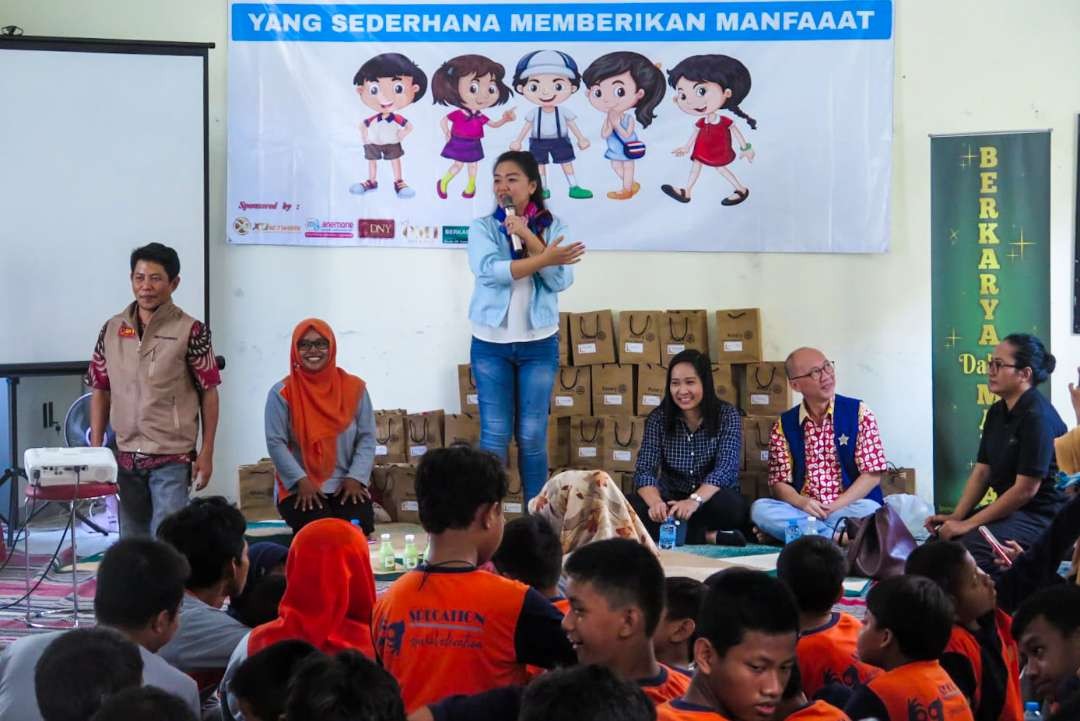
{"x": 869, "y": 451}
{"x": 200, "y": 358}
{"x": 779, "y": 457}
{"x": 97, "y": 374}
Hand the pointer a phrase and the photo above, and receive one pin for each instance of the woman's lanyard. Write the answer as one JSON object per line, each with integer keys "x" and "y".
{"x": 537, "y": 220}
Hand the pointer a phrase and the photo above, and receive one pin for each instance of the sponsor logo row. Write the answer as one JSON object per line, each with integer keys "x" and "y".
{"x": 374, "y": 228}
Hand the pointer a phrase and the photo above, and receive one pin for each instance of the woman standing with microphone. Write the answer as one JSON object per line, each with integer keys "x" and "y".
{"x": 521, "y": 264}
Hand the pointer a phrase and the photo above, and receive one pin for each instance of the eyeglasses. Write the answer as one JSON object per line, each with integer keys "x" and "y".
{"x": 996, "y": 365}
{"x": 828, "y": 368}
{"x": 320, "y": 344}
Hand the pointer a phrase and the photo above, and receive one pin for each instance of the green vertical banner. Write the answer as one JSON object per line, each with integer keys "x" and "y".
{"x": 990, "y": 276}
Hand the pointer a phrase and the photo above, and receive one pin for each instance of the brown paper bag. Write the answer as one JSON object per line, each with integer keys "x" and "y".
{"x": 613, "y": 390}
{"x": 587, "y": 443}
{"x": 461, "y": 428}
{"x": 756, "y": 433}
{"x": 723, "y": 383}
{"x": 639, "y": 336}
{"x": 423, "y": 431}
{"x": 626, "y": 483}
{"x": 379, "y": 486}
{"x": 765, "y": 390}
{"x": 738, "y": 335}
{"x": 256, "y": 498}
{"x": 592, "y": 337}
{"x": 754, "y": 485}
{"x": 558, "y": 442}
{"x": 400, "y": 494}
{"x": 571, "y": 395}
{"x": 651, "y": 385}
{"x": 682, "y": 329}
{"x": 564, "y": 340}
{"x": 898, "y": 480}
{"x": 390, "y": 444}
{"x": 622, "y": 440}
{"x": 467, "y": 394}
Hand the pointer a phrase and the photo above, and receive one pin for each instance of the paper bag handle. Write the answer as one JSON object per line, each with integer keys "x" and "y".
{"x": 757, "y": 380}
{"x": 596, "y": 429}
{"x": 577, "y": 372}
{"x": 629, "y": 441}
{"x": 630, "y": 324}
{"x": 686, "y": 327}
{"x": 412, "y": 436}
{"x": 736, "y": 316}
{"x": 581, "y": 326}
{"x": 378, "y": 439}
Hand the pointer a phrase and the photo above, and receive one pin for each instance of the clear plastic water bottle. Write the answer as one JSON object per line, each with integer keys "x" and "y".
{"x": 809, "y": 527}
{"x": 411, "y": 555}
{"x": 792, "y": 532}
{"x": 1032, "y": 712}
{"x": 386, "y": 553}
{"x": 668, "y": 532}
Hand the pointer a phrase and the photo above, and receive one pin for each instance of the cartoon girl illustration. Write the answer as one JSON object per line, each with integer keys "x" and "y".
{"x": 624, "y": 85}
{"x": 472, "y": 84}
{"x": 705, "y": 84}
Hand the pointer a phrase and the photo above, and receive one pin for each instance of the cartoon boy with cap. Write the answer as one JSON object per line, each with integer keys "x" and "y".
{"x": 547, "y": 78}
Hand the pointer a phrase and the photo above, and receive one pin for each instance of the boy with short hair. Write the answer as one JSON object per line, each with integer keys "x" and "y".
{"x": 673, "y": 640}
{"x": 585, "y": 693}
{"x": 1047, "y": 627}
{"x": 261, "y": 683}
{"x": 744, "y": 651}
{"x": 908, "y": 622}
{"x": 387, "y": 83}
{"x": 531, "y": 553}
{"x": 981, "y": 656}
{"x": 79, "y": 668}
{"x": 447, "y": 627}
{"x": 142, "y": 704}
{"x": 344, "y": 687}
{"x": 813, "y": 567}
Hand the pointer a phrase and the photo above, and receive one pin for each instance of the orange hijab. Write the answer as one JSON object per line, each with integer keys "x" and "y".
{"x": 329, "y": 591}
{"x": 321, "y": 403}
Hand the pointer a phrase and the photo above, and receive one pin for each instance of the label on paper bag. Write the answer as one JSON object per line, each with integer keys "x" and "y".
{"x": 511, "y": 507}
{"x": 675, "y": 348}
{"x": 564, "y": 401}
{"x": 410, "y": 506}
{"x": 634, "y": 347}
{"x": 382, "y": 451}
{"x": 759, "y": 399}
{"x": 586, "y": 452}
{"x": 650, "y": 400}
{"x": 417, "y": 450}
{"x": 472, "y": 399}
{"x": 612, "y": 400}
{"x": 764, "y": 455}
{"x": 586, "y": 348}
{"x": 621, "y": 455}
{"x": 733, "y": 346}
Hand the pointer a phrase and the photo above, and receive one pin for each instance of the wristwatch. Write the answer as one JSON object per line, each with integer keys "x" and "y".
{"x": 699, "y": 499}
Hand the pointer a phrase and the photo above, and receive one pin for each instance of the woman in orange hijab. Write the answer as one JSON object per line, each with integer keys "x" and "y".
{"x": 329, "y": 596}
{"x": 320, "y": 432}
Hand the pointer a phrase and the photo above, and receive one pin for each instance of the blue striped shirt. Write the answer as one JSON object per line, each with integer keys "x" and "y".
{"x": 681, "y": 461}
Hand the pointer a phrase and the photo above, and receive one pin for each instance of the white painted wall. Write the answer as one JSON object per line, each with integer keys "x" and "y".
{"x": 963, "y": 65}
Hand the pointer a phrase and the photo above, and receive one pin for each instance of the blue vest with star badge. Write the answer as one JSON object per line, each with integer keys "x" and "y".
{"x": 846, "y": 430}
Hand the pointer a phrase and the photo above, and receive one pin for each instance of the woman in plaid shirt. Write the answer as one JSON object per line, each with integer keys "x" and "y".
{"x": 688, "y": 464}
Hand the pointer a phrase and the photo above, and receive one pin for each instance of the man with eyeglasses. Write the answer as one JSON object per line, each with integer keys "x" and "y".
{"x": 154, "y": 378}
{"x": 825, "y": 455}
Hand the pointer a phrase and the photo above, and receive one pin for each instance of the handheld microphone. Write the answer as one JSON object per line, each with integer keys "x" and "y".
{"x": 507, "y": 205}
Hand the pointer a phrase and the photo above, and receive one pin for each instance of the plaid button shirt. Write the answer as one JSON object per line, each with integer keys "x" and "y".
{"x": 681, "y": 461}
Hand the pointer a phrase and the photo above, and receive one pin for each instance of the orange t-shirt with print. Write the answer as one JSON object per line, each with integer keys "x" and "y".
{"x": 819, "y": 711}
{"x": 680, "y": 710}
{"x": 826, "y": 655}
{"x": 917, "y": 690}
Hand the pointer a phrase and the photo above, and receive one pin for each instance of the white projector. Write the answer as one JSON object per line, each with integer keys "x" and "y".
{"x": 57, "y": 466}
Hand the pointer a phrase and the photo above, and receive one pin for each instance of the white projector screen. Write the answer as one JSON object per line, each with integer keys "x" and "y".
{"x": 102, "y": 149}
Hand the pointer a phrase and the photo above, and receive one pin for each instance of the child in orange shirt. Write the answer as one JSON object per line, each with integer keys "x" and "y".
{"x": 981, "y": 655}
{"x": 673, "y": 640}
{"x": 447, "y": 627}
{"x": 813, "y": 567}
{"x": 794, "y": 706}
{"x": 531, "y": 552}
{"x": 744, "y": 652}
{"x": 585, "y": 693}
{"x": 908, "y": 620}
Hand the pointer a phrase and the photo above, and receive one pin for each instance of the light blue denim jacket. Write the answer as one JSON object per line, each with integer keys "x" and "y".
{"x": 489, "y": 260}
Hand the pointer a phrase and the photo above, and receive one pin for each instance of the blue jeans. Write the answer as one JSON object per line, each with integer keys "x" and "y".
{"x": 772, "y": 516}
{"x": 146, "y": 497}
{"x": 513, "y": 382}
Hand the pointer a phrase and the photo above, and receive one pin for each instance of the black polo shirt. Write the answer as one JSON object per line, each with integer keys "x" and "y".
{"x": 1021, "y": 442}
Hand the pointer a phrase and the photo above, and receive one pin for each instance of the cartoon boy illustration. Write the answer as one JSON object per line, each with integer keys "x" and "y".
{"x": 387, "y": 83}
{"x": 705, "y": 84}
{"x": 547, "y": 78}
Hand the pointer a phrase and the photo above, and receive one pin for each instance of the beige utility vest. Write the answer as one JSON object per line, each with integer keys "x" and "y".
{"x": 155, "y": 405}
